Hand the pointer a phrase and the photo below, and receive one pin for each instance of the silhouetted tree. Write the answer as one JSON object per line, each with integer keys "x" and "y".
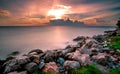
{"x": 118, "y": 23}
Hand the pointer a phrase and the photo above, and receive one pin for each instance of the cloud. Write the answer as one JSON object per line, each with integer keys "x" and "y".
{"x": 4, "y": 13}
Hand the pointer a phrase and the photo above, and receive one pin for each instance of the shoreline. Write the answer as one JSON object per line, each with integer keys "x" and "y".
{"x": 87, "y": 51}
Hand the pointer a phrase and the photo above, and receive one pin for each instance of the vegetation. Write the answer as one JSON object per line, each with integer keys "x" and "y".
{"x": 114, "y": 71}
{"x": 114, "y": 42}
{"x": 90, "y": 69}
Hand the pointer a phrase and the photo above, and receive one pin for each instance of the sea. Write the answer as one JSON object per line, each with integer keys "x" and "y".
{"x": 25, "y": 39}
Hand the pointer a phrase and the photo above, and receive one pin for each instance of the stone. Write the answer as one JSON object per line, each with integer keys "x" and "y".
{"x": 51, "y": 67}
{"x": 49, "y": 56}
{"x": 100, "y": 58}
{"x": 79, "y": 38}
{"x": 71, "y": 65}
{"x": 15, "y": 64}
{"x": 31, "y": 67}
{"x": 41, "y": 65}
{"x": 61, "y": 69}
{"x": 14, "y": 53}
{"x": 15, "y": 72}
{"x": 60, "y": 61}
{"x": 36, "y": 51}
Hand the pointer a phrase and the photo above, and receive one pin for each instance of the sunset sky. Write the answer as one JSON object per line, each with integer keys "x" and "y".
{"x": 38, "y": 12}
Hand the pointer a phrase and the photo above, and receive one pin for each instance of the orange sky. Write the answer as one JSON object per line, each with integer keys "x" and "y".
{"x": 38, "y": 12}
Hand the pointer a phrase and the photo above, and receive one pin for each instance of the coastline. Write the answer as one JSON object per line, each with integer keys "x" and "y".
{"x": 87, "y": 51}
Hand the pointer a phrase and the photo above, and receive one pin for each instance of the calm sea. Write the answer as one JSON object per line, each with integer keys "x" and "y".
{"x": 24, "y": 39}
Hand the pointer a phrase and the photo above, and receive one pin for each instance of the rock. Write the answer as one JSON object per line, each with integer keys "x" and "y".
{"x": 51, "y": 67}
{"x": 85, "y": 49}
{"x": 79, "y": 38}
{"x": 23, "y": 72}
{"x": 60, "y": 61}
{"x": 14, "y": 53}
{"x": 71, "y": 65}
{"x": 31, "y": 67}
{"x": 100, "y": 58}
{"x": 41, "y": 65}
{"x": 49, "y": 56}
{"x": 70, "y": 50}
{"x": 102, "y": 68}
{"x": 85, "y": 60}
{"x": 36, "y": 51}
{"x": 15, "y": 64}
{"x": 99, "y": 38}
{"x": 61, "y": 69}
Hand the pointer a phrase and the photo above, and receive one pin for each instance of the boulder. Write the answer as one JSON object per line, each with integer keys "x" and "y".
{"x": 35, "y": 51}
{"x": 60, "y": 61}
{"x": 31, "y": 67}
{"x": 51, "y": 67}
{"x": 100, "y": 58}
{"x": 15, "y": 64}
{"x": 23, "y": 72}
{"x": 85, "y": 60}
{"x": 85, "y": 49}
{"x": 71, "y": 65}
{"x": 79, "y": 38}
{"x": 49, "y": 56}
{"x": 41, "y": 65}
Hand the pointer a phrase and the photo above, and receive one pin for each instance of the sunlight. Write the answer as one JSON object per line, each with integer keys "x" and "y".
{"x": 58, "y": 11}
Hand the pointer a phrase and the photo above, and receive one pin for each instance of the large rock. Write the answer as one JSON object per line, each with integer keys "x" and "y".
{"x": 100, "y": 58}
{"x": 49, "y": 56}
{"x": 60, "y": 61}
{"x": 51, "y": 67}
{"x": 15, "y": 64}
{"x": 85, "y": 49}
{"x": 35, "y": 51}
{"x": 23, "y": 72}
{"x": 31, "y": 67}
{"x": 71, "y": 65}
{"x": 79, "y": 38}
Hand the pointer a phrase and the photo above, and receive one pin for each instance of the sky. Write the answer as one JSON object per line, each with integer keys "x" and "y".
{"x": 39, "y": 12}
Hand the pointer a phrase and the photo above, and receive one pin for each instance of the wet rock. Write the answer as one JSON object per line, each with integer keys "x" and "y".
{"x": 51, "y": 67}
{"x": 41, "y": 65}
{"x": 79, "y": 38}
{"x": 85, "y": 59}
{"x": 49, "y": 56}
{"x": 70, "y": 50}
{"x": 100, "y": 58}
{"x": 31, "y": 67}
{"x": 15, "y": 64}
{"x": 71, "y": 65}
{"x": 85, "y": 49}
{"x": 99, "y": 38}
{"x": 14, "y": 53}
{"x": 36, "y": 51}
{"x": 61, "y": 69}
{"x": 60, "y": 61}
{"x": 23, "y": 72}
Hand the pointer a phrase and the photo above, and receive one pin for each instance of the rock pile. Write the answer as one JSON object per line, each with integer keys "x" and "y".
{"x": 87, "y": 51}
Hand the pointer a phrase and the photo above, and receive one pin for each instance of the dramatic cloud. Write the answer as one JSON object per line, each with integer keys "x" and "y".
{"x": 35, "y": 12}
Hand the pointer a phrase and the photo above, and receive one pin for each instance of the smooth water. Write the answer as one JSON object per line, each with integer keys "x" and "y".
{"x": 24, "y": 39}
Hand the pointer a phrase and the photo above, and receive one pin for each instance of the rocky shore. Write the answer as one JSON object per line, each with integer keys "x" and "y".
{"x": 88, "y": 50}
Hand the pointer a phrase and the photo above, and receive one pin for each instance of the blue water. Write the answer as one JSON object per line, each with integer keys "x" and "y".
{"x": 24, "y": 39}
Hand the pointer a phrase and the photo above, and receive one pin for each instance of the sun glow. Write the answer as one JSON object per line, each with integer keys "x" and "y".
{"x": 58, "y": 11}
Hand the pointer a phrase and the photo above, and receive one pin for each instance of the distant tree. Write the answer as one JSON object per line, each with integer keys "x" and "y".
{"x": 118, "y": 23}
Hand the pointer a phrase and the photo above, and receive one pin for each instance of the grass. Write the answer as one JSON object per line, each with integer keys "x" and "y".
{"x": 114, "y": 71}
{"x": 90, "y": 69}
{"x": 114, "y": 42}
